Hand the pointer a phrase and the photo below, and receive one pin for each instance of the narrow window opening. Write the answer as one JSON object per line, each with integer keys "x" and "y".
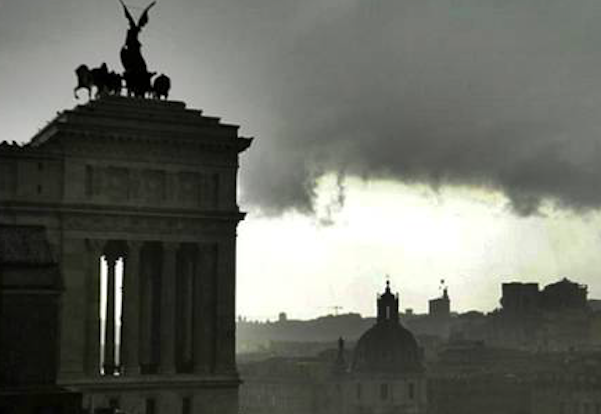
{"x": 150, "y": 406}
{"x": 114, "y": 403}
{"x": 187, "y": 405}
{"x": 384, "y": 391}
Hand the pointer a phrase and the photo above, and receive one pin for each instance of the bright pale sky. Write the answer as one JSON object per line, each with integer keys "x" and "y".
{"x": 467, "y": 237}
{"x": 495, "y": 104}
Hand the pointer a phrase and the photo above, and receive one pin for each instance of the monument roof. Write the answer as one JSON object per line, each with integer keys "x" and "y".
{"x": 124, "y": 118}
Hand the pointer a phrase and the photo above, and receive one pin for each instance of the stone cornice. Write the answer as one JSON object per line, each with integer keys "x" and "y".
{"x": 178, "y": 381}
{"x": 216, "y": 144}
{"x": 114, "y": 210}
{"x": 26, "y": 151}
{"x": 136, "y": 119}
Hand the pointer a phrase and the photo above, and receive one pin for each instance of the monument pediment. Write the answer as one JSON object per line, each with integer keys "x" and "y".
{"x": 117, "y": 119}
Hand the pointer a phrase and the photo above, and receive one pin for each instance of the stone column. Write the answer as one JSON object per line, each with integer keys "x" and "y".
{"x": 130, "y": 340}
{"x": 204, "y": 310}
{"x": 187, "y": 307}
{"x": 146, "y": 303}
{"x": 109, "y": 331}
{"x": 168, "y": 278}
{"x": 94, "y": 248}
{"x": 226, "y": 307}
{"x": 73, "y": 315}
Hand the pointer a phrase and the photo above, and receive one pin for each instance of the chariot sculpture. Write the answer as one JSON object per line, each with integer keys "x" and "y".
{"x": 136, "y": 78}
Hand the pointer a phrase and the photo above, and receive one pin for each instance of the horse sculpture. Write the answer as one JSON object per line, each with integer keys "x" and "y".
{"x": 137, "y": 78}
{"x": 138, "y": 85}
{"x": 106, "y": 83}
{"x": 161, "y": 86}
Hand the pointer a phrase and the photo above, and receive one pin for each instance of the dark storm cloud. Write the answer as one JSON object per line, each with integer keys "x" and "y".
{"x": 504, "y": 95}
{"x": 500, "y": 94}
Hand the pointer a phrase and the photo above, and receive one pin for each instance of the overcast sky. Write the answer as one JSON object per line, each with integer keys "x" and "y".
{"x": 425, "y": 139}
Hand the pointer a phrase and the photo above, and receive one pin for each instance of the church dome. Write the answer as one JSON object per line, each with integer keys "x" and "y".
{"x": 387, "y": 347}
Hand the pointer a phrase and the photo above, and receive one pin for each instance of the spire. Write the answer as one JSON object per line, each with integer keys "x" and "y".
{"x": 388, "y": 306}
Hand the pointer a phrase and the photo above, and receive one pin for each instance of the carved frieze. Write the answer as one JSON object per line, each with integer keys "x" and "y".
{"x": 115, "y": 183}
{"x": 143, "y": 224}
{"x": 189, "y": 189}
{"x": 208, "y": 188}
{"x": 101, "y": 148}
{"x": 153, "y": 186}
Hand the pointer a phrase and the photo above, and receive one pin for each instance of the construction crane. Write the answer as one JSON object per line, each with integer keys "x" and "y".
{"x": 336, "y": 308}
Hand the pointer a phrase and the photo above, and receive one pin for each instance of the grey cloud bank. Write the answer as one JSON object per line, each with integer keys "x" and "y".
{"x": 496, "y": 94}
{"x": 501, "y": 95}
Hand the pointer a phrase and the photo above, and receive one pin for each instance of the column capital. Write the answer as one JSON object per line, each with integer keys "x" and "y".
{"x": 95, "y": 245}
{"x": 130, "y": 345}
{"x": 135, "y": 244}
{"x": 170, "y": 246}
{"x": 111, "y": 259}
{"x": 113, "y": 250}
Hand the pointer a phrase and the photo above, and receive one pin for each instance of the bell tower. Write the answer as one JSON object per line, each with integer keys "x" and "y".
{"x": 388, "y": 306}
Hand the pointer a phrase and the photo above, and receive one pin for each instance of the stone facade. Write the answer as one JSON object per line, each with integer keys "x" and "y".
{"x": 148, "y": 187}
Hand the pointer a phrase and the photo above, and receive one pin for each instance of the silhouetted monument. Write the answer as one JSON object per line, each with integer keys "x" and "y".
{"x": 138, "y": 80}
{"x": 136, "y": 75}
{"x": 138, "y": 200}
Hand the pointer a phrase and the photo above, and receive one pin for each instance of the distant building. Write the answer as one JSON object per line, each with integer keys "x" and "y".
{"x": 283, "y": 386}
{"x": 386, "y": 373}
{"x": 564, "y": 295}
{"x": 472, "y": 378}
{"x": 383, "y": 374}
{"x": 440, "y": 307}
{"x": 519, "y": 298}
{"x": 556, "y": 318}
